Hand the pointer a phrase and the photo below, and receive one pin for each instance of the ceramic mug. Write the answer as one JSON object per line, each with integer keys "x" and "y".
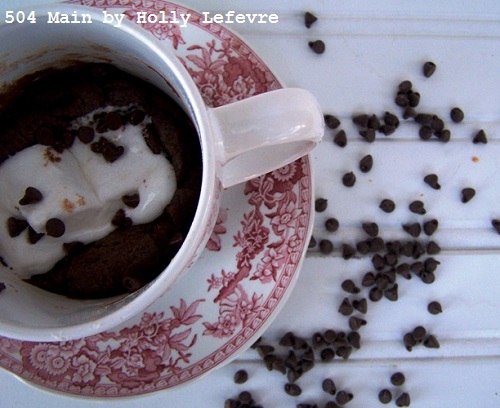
{"x": 239, "y": 141}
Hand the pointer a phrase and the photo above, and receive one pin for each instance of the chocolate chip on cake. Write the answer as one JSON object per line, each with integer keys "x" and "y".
{"x": 131, "y": 200}
{"x": 55, "y": 227}
{"x": 33, "y": 236}
{"x": 15, "y": 226}
{"x": 113, "y": 120}
{"x": 85, "y": 134}
{"x": 31, "y": 196}
{"x": 136, "y": 117}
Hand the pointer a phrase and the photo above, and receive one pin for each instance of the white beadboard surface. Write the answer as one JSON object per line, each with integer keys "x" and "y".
{"x": 371, "y": 46}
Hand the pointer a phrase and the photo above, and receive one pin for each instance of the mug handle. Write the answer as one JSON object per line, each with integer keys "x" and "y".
{"x": 265, "y": 132}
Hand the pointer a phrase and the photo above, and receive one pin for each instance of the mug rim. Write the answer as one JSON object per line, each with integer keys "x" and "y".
{"x": 203, "y": 220}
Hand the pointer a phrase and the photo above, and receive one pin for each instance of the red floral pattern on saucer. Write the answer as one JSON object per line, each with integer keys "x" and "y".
{"x": 240, "y": 281}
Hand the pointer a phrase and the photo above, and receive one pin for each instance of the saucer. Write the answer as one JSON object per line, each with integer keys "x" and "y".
{"x": 240, "y": 281}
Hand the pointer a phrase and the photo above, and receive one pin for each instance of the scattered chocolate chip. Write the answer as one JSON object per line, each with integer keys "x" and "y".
{"x": 371, "y": 228}
{"x": 368, "y": 280}
{"x": 413, "y": 229}
{"x": 326, "y": 246}
{"x": 409, "y": 112}
{"x": 320, "y": 204}
{"x": 360, "y": 305}
{"x": 368, "y": 134}
{"x": 33, "y": 236}
{"x": 317, "y": 46}
{"x": 85, "y": 134}
{"x": 409, "y": 341}
{"x": 327, "y": 354}
{"x": 457, "y": 115}
{"x": 309, "y": 19}
{"x": 245, "y": 397}
{"x": 131, "y": 200}
{"x": 385, "y": 396}
{"x": 398, "y": 379}
{"x": 432, "y": 181}
{"x": 354, "y": 338}
{"x": 403, "y": 400}
{"x": 496, "y": 225}
{"x": 431, "y": 226}
{"x": 434, "y": 308}
{"x": 328, "y": 386}
{"x": 391, "y": 120}
{"x": 332, "y": 122}
{"x": 136, "y": 117}
{"x": 480, "y": 137}
{"x": 355, "y": 323}
{"x": 331, "y": 404}
{"x": 349, "y": 179}
{"x": 350, "y": 287}
{"x": 366, "y": 163}
{"x": 444, "y": 135}
{"x": 392, "y": 293}
{"x": 425, "y": 132}
{"x": 468, "y": 194}
{"x": 240, "y": 376}
{"x": 413, "y": 99}
{"x": 113, "y": 120}
{"x": 348, "y": 251}
{"x": 419, "y": 333}
{"x": 405, "y": 86}
{"x": 375, "y": 294}
{"x": 429, "y": 68}
{"x": 312, "y": 242}
{"x": 417, "y": 207}
{"x": 293, "y": 389}
{"x": 340, "y": 138}
{"x": 431, "y": 342}
{"x": 361, "y": 120}
{"x": 346, "y": 308}
{"x": 343, "y": 397}
{"x": 287, "y": 340}
{"x": 378, "y": 262}
{"x": 31, "y": 196}
{"x": 332, "y": 224}
{"x": 387, "y": 205}
{"x": 433, "y": 248}
{"x": 55, "y": 227}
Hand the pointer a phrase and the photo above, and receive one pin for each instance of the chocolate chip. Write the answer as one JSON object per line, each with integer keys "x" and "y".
{"x": 419, "y": 333}
{"x": 113, "y": 120}
{"x": 385, "y": 396}
{"x": 309, "y": 19}
{"x": 457, "y": 115}
{"x": 327, "y": 354}
{"x": 350, "y": 287}
{"x": 431, "y": 226}
{"x": 413, "y": 99}
{"x": 409, "y": 341}
{"x": 375, "y": 294}
{"x": 349, "y": 179}
{"x": 431, "y": 342}
{"x": 245, "y": 397}
{"x": 444, "y": 135}
{"x": 413, "y": 229}
{"x": 405, "y": 86}
{"x": 425, "y": 132}
{"x": 354, "y": 338}
{"x": 343, "y": 397}
{"x": 31, "y": 196}
{"x": 136, "y": 117}
{"x": 131, "y": 200}
{"x": 287, "y": 340}
{"x": 392, "y": 293}
{"x": 361, "y": 120}
{"x": 434, "y": 308}
{"x": 85, "y": 134}
{"x": 433, "y": 248}
{"x": 331, "y": 404}
{"x": 340, "y": 138}
{"x": 398, "y": 379}
{"x": 496, "y": 225}
{"x": 360, "y": 305}
{"x": 387, "y": 205}
{"x": 331, "y": 121}
{"x": 428, "y": 69}
{"x": 368, "y": 134}
{"x": 120, "y": 219}
{"x": 240, "y": 376}
{"x": 113, "y": 152}
{"x": 328, "y": 386}
{"x": 378, "y": 262}
{"x": 33, "y": 236}
{"x": 480, "y": 137}
{"x": 348, "y": 251}
{"x": 312, "y": 242}
{"x": 346, "y": 308}
{"x": 366, "y": 163}
{"x": 403, "y": 400}
{"x": 409, "y": 112}
{"x": 332, "y": 224}
{"x": 326, "y": 246}
{"x": 355, "y": 323}
{"x": 371, "y": 228}
{"x": 317, "y": 46}
{"x": 391, "y": 120}
{"x": 368, "y": 279}
{"x": 468, "y": 194}
{"x": 320, "y": 204}
{"x": 432, "y": 181}
{"x": 417, "y": 207}
{"x": 293, "y": 389}
{"x": 55, "y": 227}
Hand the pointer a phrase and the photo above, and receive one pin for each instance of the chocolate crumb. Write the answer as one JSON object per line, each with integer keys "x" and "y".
{"x": 317, "y": 46}
{"x": 468, "y": 194}
{"x": 429, "y": 68}
{"x": 31, "y": 196}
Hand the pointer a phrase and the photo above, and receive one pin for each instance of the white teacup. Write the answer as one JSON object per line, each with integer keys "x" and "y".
{"x": 239, "y": 141}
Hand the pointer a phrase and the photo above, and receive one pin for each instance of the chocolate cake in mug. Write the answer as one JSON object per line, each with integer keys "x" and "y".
{"x": 100, "y": 176}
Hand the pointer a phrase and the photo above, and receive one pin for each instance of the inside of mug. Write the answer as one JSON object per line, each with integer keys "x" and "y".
{"x": 37, "y": 47}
